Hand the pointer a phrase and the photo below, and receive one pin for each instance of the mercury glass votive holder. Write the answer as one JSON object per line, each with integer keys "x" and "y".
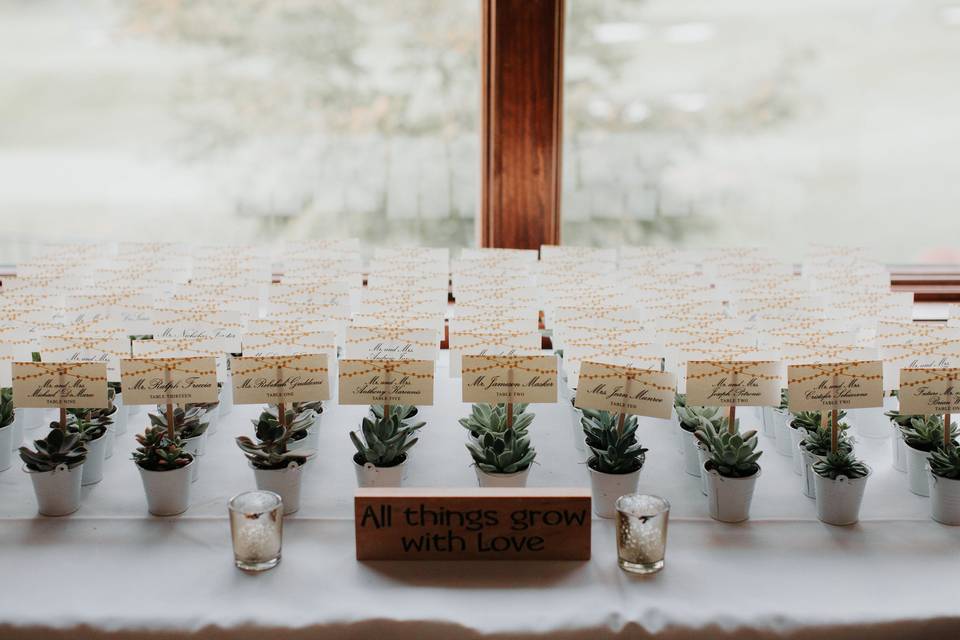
{"x": 256, "y": 527}
{"x": 641, "y": 532}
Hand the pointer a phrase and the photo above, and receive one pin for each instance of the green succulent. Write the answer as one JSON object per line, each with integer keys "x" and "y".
{"x": 692, "y": 417}
{"x": 84, "y": 425}
{"x": 6, "y": 407}
{"x": 272, "y": 448}
{"x": 385, "y": 440}
{"x": 267, "y": 425}
{"x": 613, "y": 451}
{"x": 901, "y": 419}
{"x": 492, "y": 418}
{"x": 819, "y": 441}
{"x": 945, "y": 463}
{"x": 733, "y": 455}
{"x": 188, "y": 422}
{"x": 679, "y": 400}
{"x": 116, "y": 387}
{"x": 840, "y": 463}
{"x": 784, "y": 400}
{"x": 56, "y": 449}
{"x": 810, "y": 420}
{"x": 405, "y": 412}
{"x": 305, "y": 407}
{"x": 159, "y": 452}
{"x": 925, "y": 433}
{"x": 506, "y": 452}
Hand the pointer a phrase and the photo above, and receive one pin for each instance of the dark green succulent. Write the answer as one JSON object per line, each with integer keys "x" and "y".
{"x": 188, "y": 423}
{"x": 692, "y": 417}
{"x": 732, "y": 455}
{"x": 492, "y": 418}
{"x": 925, "y": 433}
{"x": 116, "y": 387}
{"x": 56, "y": 449}
{"x": 272, "y": 448}
{"x": 840, "y": 463}
{"x": 810, "y": 420}
{"x": 405, "y": 412}
{"x": 818, "y": 441}
{"x": 304, "y": 407}
{"x": 506, "y": 452}
{"x": 159, "y": 452}
{"x": 385, "y": 441}
{"x": 901, "y": 419}
{"x": 614, "y": 451}
{"x": 6, "y": 407}
{"x": 945, "y": 463}
{"x": 84, "y": 425}
{"x": 679, "y": 400}
{"x": 267, "y": 425}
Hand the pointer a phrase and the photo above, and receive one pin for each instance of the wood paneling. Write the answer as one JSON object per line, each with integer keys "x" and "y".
{"x": 522, "y": 73}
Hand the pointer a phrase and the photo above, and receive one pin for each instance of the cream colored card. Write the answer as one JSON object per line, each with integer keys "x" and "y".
{"x": 836, "y": 385}
{"x": 276, "y": 379}
{"x": 433, "y": 322}
{"x": 917, "y": 355}
{"x": 154, "y": 381}
{"x": 372, "y": 302}
{"x": 386, "y": 382}
{"x": 501, "y": 379}
{"x": 292, "y": 326}
{"x": 929, "y": 391}
{"x": 391, "y": 343}
{"x": 50, "y": 385}
{"x": 734, "y": 383}
{"x": 105, "y": 349}
{"x": 200, "y": 325}
{"x": 573, "y": 360}
{"x": 289, "y": 344}
{"x": 490, "y": 324}
{"x": 184, "y": 348}
{"x": 496, "y": 343}
{"x": 619, "y": 389}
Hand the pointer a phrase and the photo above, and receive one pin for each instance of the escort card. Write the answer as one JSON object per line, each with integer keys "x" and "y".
{"x": 276, "y": 379}
{"x": 503, "y": 379}
{"x": 734, "y": 383}
{"x": 494, "y": 343}
{"x": 929, "y": 391}
{"x": 50, "y": 385}
{"x": 916, "y": 355}
{"x": 105, "y": 349}
{"x": 288, "y": 344}
{"x": 154, "y": 381}
{"x": 391, "y": 343}
{"x": 838, "y": 385}
{"x": 386, "y": 382}
{"x": 619, "y": 389}
{"x": 175, "y": 323}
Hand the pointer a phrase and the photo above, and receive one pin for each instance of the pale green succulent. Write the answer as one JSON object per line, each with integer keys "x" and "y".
{"x": 732, "y": 455}
{"x": 840, "y": 463}
{"x": 506, "y": 452}
{"x": 691, "y": 417}
{"x": 613, "y": 450}
{"x": 492, "y": 418}
{"x": 385, "y": 441}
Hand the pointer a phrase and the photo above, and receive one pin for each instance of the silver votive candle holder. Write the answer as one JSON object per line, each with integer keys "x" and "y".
{"x": 256, "y": 528}
{"x": 641, "y": 532}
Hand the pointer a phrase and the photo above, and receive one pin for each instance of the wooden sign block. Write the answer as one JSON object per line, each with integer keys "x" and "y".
{"x": 838, "y": 385}
{"x": 929, "y": 391}
{"x": 502, "y": 379}
{"x": 742, "y": 383}
{"x": 472, "y": 524}
{"x": 276, "y": 379}
{"x": 386, "y": 382}
{"x": 54, "y": 385}
{"x": 619, "y": 389}
{"x": 155, "y": 381}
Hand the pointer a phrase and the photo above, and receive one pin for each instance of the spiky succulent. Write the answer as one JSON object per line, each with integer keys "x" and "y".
{"x": 925, "y": 433}
{"x": 840, "y": 463}
{"x": 272, "y": 448}
{"x": 692, "y": 417}
{"x": 385, "y": 440}
{"x": 810, "y": 420}
{"x": 159, "y": 452}
{"x": 507, "y": 452}
{"x": 56, "y": 449}
{"x": 405, "y": 412}
{"x": 945, "y": 463}
{"x": 6, "y": 407}
{"x": 732, "y": 455}
{"x": 818, "y": 441}
{"x": 492, "y": 418}
{"x": 187, "y": 422}
{"x": 614, "y": 451}
{"x": 901, "y": 419}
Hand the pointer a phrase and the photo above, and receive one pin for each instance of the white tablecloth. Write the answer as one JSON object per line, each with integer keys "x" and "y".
{"x": 113, "y": 568}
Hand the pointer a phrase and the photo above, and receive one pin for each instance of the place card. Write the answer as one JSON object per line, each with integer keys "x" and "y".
{"x": 929, "y": 391}
{"x": 276, "y": 379}
{"x": 391, "y": 343}
{"x": 509, "y": 379}
{"x": 184, "y": 348}
{"x": 619, "y": 389}
{"x": 640, "y": 359}
{"x": 734, "y": 383}
{"x": 105, "y": 349}
{"x": 51, "y": 385}
{"x": 433, "y": 322}
{"x": 917, "y": 355}
{"x": 836, "y": 385}
{"x": 495, "y": 343}
{"x": 288, "y": 344}
{"x": 155, "y": 381}
{"x": 199, "y": 324}
{"x": 386, "y": 382}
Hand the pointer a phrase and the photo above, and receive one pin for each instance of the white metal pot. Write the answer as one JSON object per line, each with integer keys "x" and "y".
{"x": 808, "y": 482}
{"x": 796, "y": 437}
{"x": 944, "y": 499}
{"x": 691, "y": 459}
{"x": 517, "y": 479}
{"x": 57, "y": 491}
{"x": 767, "y": 422}
{"x": 369, "y": 475}
{"x": 838, "y": 501}
{"x": 226, "y": 396}
{"x": 286, "y": 483}
{"x": 196, "y": 446}
{"x": 16, "y": 437}
{"x": 6, "y": 449}
{"x": 781, "y": 432}
{"x": 607, "y": 487}
{"x": 578, "y": 437}
{"x": 891, "y": 403}
{"x": 729, "y": 498}
{"x": 677, "y": 432}
{"x": 120, "y": 415}
{"x": 311, "y": 441}
{"x": 917, "y": 470}
{"x": 702, "y": 458}
{"x": 898, "y": 448}
{"x": 869, "y": 423}
{"x": 110, "y": 442}
{"x": 168, "y": 492}
{"x": 93, "y": 465}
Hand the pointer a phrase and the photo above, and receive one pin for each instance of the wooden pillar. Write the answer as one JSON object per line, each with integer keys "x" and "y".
{"x": 521, "y": 136}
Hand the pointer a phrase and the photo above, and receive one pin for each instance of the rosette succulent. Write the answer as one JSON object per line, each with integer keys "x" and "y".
{"x": 840, "y": 463}
{"x": 271, "y": 450}
{"x": 6, "y": 407}
{"x": 925, "y": 433}
{"x": 384, "y": 441}
{"x": 613, "y": 450}
{"x": 492, "y": 418}
{"x": 506, "y": 452}
{"x": 945, "y": 463}
{"x": 58, "y": 448}
{"x": 159, "y": 452}
{"x": 187, "y": 422}
{"x": 691, "y": 418}
{"x": 732, "y": 455}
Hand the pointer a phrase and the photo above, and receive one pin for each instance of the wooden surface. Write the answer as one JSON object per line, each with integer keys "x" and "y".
{"x": 472, "y": 524}
{"x": 522, "y": 75}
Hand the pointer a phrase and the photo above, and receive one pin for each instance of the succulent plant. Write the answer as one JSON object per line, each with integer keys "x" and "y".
{"x": 691, "y": 417}
{"x": 945, "y": 463}
{"x": 493, "y": 418}
{"x": 116, "y": 387}
{"x": 925, "y": 433}
{"x": 6, "y": 407}
{"x": 679, "y": 400}
{"x": 819, "y": 441}
{"x": 614, "y": 451}
{"x": 732, "y": 455}
{"x": 205, "y": 407}
{"x": 840, "y": 463}
{"x": 158, "y": 452}
{"x": 85, "y": 425}
{"x": 386, "y": 440}
{"x": 313, "y": 405}
{"x": 901, "y": 419}
{"x": 810, "y": 420}
{"x": 56, "y": 449}
{"x": 784, "y": 400}
{"x": 405, "y": 412}
{"x": 506, "y": 452}
{"x": 272, "y": 448}
{"x": 188, "y": 422}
